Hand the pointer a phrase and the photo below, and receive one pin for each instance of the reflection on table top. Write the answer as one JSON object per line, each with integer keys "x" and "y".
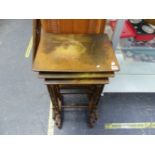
{"x": 75, "y": 53}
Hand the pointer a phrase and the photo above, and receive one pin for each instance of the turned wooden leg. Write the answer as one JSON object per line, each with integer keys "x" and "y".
{"x": 57, "y": 88}
{"x": 56, "y": 105}
{"x": 92, "y": 118}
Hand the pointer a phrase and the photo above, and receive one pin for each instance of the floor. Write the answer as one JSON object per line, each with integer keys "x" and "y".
{"x": 25, "y": 104}
{"x": 114, "y": 108}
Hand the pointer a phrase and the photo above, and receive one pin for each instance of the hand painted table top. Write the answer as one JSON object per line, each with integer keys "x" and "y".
{"x": 75, "y": 53}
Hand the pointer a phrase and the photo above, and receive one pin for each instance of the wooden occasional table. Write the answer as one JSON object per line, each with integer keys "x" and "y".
{"x": 79, "y": 61}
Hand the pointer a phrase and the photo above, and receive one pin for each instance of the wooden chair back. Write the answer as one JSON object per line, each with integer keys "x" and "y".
{"x": 74, "y": 26}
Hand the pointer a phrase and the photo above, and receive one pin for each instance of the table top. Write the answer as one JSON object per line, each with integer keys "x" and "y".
{"x": 75, "y": 53}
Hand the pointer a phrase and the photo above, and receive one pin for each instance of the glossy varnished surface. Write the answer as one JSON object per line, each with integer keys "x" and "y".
{"x": 75, "y": 53}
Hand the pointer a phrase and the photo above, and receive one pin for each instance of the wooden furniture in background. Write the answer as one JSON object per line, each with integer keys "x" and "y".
{"x": 74, "y": 26}
{"x": 150, "y": 21}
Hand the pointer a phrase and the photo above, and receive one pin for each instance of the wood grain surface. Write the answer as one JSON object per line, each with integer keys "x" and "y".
{"x": 74, "y": 26}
